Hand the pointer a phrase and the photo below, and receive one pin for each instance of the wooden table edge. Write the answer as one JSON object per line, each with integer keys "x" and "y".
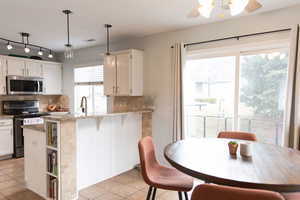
{"x": 286, "y": 188}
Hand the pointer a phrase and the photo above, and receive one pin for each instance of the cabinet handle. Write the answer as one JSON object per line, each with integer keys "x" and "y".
{"x": 113, "y": 89}
{"x": 23, "y": 72}
{"x": 4, "y": 89}
{"x": 117, "y": 89}
{"x": 27, "y": 72}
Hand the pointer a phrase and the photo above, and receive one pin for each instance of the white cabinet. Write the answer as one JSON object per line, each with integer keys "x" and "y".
{"x": 123, "y": 73}
{"x": 2, "y": 77}
{"x": 16, "y": 67}
{"x": 6, "y": 137}
{"x": 52, "y": 74}
{"x": 34, "y": 69}
{"x": 35, "y": 161}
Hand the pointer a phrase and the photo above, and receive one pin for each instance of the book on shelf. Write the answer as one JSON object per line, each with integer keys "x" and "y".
{"x": 52, "y": 134}
{"x": 52, "y": 162}
{"x": 53, "y": 189}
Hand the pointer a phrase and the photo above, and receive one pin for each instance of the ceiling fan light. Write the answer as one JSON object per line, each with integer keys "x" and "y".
{"x": 237, "y": 6}
{"x": 206, "y": 7}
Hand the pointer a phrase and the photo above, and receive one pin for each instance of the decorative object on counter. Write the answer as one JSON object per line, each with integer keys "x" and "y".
{"x": 26, "y": 44}
{"x": 233, "y": 146}
{"x": 68, "y": 47}
{"x": 245, "y": 149}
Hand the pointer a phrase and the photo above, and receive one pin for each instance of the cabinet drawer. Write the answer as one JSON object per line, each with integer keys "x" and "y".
{"x": 6, "y": 122}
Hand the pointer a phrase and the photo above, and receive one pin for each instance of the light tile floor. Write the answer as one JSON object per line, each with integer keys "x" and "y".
{"x": 127, "y": 186}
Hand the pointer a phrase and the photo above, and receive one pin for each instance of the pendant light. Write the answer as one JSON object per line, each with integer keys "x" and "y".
{"x": 68, "y": 47}
{"x": 107, "y": 26}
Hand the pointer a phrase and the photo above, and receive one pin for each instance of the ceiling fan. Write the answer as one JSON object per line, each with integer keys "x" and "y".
{"x": 206, "y": 7}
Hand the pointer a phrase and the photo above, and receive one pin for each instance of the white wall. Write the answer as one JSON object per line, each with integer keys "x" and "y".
{"x": 157, "y": 72}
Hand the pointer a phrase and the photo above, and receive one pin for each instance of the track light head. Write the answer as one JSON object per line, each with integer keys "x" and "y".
{"x": 50, "y": 55}
{"x": 26, "y": 49}
{"x": 9, "y": 46}
{"x": 40, "y": 52}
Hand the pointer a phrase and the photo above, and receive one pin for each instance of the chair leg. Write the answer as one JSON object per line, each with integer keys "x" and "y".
{"x": 154, "y": 193}
{"x": 149, "y": 193}
{"x": 180, "y": 195}
{"x": 186, "y": 196}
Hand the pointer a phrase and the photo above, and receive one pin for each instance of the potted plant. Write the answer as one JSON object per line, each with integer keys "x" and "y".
{"x": 233, "y": 146}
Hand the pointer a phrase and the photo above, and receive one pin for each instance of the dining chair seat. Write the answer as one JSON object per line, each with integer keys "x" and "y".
{"x": 237, "y": 135}
{"x": 217, "y": 192}
{"x": 291, "y": 196}
{"x": 158, "y": 176}
{"x": 169, "y": 179}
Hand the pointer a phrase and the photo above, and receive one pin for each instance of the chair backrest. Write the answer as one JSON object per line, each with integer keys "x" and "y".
{"x": 238, "y": 135}
{"x": 217, "y": 192}
{"x": 147, "y": 158}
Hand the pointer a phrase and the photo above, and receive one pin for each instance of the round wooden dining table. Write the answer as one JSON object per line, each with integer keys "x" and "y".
{"x": 270, "y": 167}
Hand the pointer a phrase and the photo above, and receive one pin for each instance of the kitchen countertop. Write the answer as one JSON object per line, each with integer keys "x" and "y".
{"x": 93, "y": 115}
{"x": 6, "y": 116}
{"x": 37, "y": 127}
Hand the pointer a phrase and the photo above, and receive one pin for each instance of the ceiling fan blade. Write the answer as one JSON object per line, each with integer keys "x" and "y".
{"x": 252, "y": 6}
{"x": 195, "y": 12}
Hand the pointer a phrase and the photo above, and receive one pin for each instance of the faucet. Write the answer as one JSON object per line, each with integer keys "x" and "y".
{"x": 84, "y": 107}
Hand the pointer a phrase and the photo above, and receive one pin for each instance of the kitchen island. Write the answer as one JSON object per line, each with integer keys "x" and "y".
{"x": 72, "y": 152}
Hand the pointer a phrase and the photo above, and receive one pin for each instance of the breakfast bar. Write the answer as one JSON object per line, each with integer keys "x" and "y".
{"x": 77, "y": 151}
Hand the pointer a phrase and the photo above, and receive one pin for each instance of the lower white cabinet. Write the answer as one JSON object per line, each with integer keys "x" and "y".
{"x": 6, "y": 137}
{"x": 35, "y": 161}
{"x": 52, "y": 74}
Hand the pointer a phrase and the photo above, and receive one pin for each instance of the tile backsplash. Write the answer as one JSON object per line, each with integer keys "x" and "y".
{"x": 129, "y": 103}
{"x": 44, "y": 100}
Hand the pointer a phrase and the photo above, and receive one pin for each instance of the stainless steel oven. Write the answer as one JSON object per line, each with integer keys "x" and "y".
{"x": 24, "y": 85}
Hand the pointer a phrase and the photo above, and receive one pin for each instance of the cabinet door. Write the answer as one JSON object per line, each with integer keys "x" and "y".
{"x": 109, "y": 72}
{"x": 15, "y": 67}
{"x": 123, "y": 74}
{"x": 34, "y": 69}
{"x": 52, "y": 74}
{"x": 6, "y": 141}
{"x": 2, "y": 77}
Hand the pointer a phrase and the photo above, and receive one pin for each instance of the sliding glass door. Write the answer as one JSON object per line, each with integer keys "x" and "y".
{"x": 242, "y": 92}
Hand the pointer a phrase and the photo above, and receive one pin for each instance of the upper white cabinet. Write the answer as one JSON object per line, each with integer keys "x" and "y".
{"x": 16, "y": 67}
{"x": 52, "y": 74}
{"x": 20, "y": 67}
{"x": 34, "y": 69}
{"x": 123, "y": 73}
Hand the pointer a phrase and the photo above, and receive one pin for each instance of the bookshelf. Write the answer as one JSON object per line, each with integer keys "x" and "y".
{"x": 53, "y": 159}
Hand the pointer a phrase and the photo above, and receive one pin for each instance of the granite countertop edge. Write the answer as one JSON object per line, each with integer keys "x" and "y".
{"x": 6, "y": 116}
{"x": 100, "y": 115}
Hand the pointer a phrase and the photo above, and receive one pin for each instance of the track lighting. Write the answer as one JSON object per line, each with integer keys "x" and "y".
{"x": 40, "y": 52}
{"x": 9, "y": 46}
{"x": 26, "y": 49}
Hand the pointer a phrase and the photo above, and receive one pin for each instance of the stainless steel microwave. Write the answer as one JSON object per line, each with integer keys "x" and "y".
{"x": 24, "y": 85}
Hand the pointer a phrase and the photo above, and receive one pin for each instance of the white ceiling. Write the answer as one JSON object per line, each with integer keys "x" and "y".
{"x": 130, "y": 18}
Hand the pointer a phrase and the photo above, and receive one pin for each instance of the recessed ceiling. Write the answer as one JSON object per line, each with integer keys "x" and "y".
{"x": 130, "y": 18}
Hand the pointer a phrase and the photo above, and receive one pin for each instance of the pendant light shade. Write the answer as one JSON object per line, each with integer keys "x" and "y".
{"x": 237, "y": 6}
{"x": 68, "y": 47}
{"x": 69, "y": 51}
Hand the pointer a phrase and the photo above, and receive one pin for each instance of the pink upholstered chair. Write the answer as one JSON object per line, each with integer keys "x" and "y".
{"x": 238, "y": 135}
{"x": 158, "y": 176}
{"x": 217, "y": 192}
{"x": 292, "y": 196}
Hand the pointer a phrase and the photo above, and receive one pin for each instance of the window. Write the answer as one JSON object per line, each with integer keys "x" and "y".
{"x": 89, "y": 83}
{"x": 241, "y": 92}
